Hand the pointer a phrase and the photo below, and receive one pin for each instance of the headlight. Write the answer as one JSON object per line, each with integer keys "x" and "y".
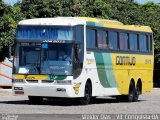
{"x": 18, "y": 81}
{"x": 63, "y": 82}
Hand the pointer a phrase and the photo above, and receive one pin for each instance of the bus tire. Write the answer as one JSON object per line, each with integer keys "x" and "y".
{"x": 131, "y": 93}
{"x": 35, "y": 99}
{"x": 87, "y": 95}
{"x": 137, "y": 93}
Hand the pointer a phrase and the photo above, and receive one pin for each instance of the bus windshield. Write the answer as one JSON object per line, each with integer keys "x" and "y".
{"x": 56, "y": 59}
{"x": 47, "y": 58}
{"x": 29, "y": 60}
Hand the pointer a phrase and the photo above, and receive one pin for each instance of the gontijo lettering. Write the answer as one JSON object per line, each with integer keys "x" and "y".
{"x": 125, "y": 60}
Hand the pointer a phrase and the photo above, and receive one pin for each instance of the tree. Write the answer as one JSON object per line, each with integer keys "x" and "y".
{"x": 50, "y": 8}
{"x": 10, "y": 15}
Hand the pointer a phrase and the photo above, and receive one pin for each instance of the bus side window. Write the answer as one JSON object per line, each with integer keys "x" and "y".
{"x": 79, "y": 34}
{"x": 80, "y": 40}
{"x": 91, "y": 38}
{"x": 133, "y": 42}
{"x": 149, "y": 43}
{"x": 123, "y": 41}
{"x": 113, "y": 40}
{"x": 102, "y": 39}
{"x": 142, "y": 43}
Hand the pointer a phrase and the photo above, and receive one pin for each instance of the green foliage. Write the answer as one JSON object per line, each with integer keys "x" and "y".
{"x": 9, "y": 17}
{"x": 51, "y": 8}
{"x": 6, "y": 26}
{"x": 125, "y": 11}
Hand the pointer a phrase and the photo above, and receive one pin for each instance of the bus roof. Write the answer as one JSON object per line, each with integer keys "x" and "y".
{"x": 94, "y": 22}
{"x": 59, "y": 21}
{"x": 113, "y": 24}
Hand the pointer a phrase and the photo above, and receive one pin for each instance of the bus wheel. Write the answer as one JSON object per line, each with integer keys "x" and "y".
{"x": 137, "y": 93}
{"x": 35, "y": 99}
{"x": 87, "y": 95}
{"x": 131, "y": 93}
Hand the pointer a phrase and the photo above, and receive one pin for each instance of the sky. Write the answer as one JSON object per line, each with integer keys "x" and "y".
{"x": 144, "y": 1}
{"x": 10, "y": 1}
{"x": 139, "y": 1}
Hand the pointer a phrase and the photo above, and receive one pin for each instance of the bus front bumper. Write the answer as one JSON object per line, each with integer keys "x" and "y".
{"x": 45, "y": 90}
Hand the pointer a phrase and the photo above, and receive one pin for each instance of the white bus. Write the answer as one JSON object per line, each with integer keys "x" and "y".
{"x": 78, "y": 57}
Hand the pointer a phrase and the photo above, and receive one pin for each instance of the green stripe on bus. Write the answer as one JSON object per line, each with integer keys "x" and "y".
{"x": 94, "y": 24}
{"x": 109, "y": 69}
{"x": 101, "y": 70}
{"x": 105, "y": 70}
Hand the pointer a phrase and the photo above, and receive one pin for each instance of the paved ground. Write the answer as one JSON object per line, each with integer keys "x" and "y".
{"x": 147, "y": 104}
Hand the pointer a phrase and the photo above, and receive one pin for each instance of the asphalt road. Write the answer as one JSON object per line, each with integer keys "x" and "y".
{"x": 19, "y": 105}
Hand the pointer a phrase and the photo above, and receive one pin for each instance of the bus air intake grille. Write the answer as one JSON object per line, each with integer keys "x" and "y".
{"x": 32, "y": 81}
{"x": 47, "y": 81}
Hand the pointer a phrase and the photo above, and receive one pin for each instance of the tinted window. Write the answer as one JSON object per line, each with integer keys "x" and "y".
{"x": 102, "y": 39}
{"x": 44, "y": 33}
{"x": 91, "y": 38}
{"x": 142, "y": 43}
{"x": 79, "y": 34}
{"x": 149, "y": 42}
{"x": 56, "y": 58}
{"x": 123, "y": 41}
{"x": 113, "y": 40}
{"x": 80, "y": 39}
{"x": 133, "y": 41}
